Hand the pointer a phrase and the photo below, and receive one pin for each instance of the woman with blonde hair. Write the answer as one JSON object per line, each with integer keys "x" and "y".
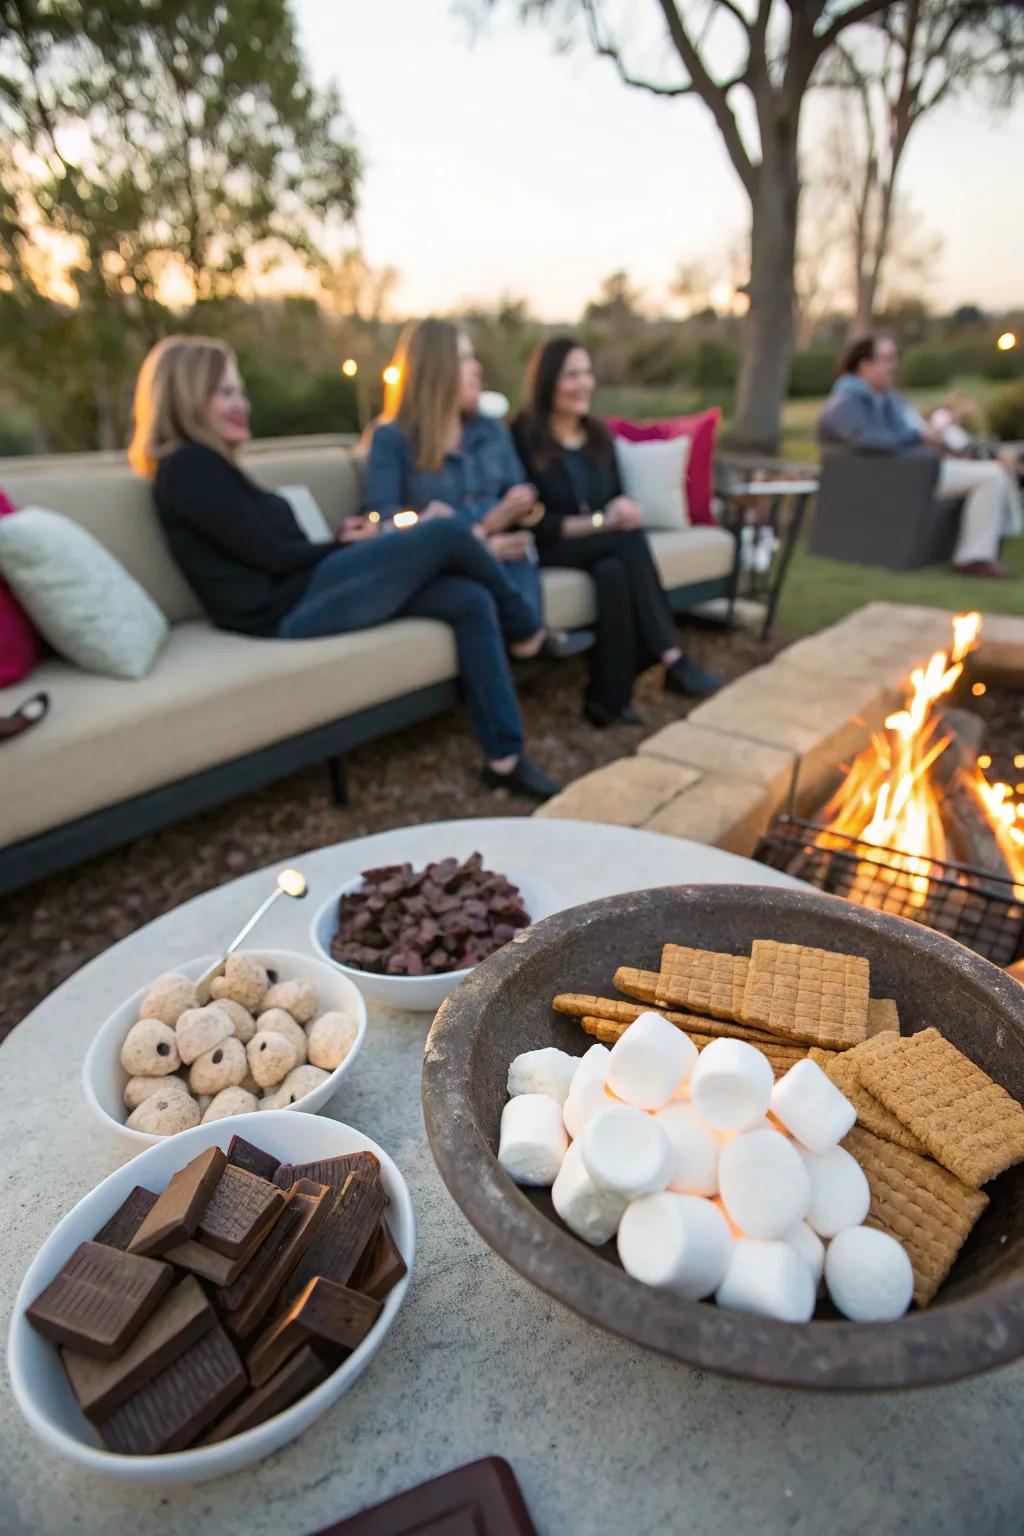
{"x": 256, "y": 573}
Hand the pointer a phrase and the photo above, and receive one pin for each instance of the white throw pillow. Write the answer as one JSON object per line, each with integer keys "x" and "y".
{"x": 307, "y": 513}
{"x": 654, "y": 474}
{"x": 79, "y": 597}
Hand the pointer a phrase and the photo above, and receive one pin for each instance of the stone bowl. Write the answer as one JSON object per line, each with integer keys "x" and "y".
{"x": 976, "y": 1321}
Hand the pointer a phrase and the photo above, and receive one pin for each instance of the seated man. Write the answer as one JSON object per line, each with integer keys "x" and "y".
{"x": 864, "y": 414}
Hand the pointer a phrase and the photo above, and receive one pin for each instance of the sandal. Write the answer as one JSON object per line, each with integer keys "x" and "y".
{"x": 25, "y": 716}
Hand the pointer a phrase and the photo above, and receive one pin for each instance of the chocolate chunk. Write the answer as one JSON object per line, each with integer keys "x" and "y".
{"x": 481, "y": 1499}
{"x": 173, "y": 1409}
{"x": 242, "y": 1154}
{"x": 239, "y": 1213}
{"x": 100, "y": 1299}
{"x": 206, "y": 1262}
{"x": 176, "y": 1213}
{"x": 127, "y": 1219}
{"x": 295, "y": 1378}
{"x": 347, "y": 1230}
{"x": 252, "y": 1296}
{"x": 328, "y": 1313}
{"x": 381, "y": 1266}
{"x": 103, "y": 1385}
{"x": 332, "y": 1171}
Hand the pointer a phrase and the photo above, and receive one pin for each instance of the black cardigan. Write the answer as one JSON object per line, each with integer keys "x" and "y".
{"x": 555, "y": 488}
{"x": 239, "y": 545}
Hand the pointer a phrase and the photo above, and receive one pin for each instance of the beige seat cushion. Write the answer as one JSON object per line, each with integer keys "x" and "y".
{"x": 211, "y": 697}
{"x": 702, "y": 553}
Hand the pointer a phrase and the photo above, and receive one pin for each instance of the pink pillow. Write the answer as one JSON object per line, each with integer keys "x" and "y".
{"x": 18, "y": 649}
{"x": 701, "y": 431}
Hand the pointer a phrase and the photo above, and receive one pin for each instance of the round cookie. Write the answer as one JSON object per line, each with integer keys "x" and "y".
{"x": 330, "y": 1038}
{"x": 150, "y": 1049}
{"x": 244, "y": 981}
{"x": 200, "y": 1029}
{"x": 223, "y": 1067}
{"x": 299, "y": 1082}
{"x": 241, "y": 1018}
{"x": 138, "y": 1089}
{"x": 230, "y": 1101}
{"x": 271, "y": 1057}
{"x": 165, "y": 1114}
{"x": 296, "y": 997}
{"x": 167, "y": 998}
{"x": 278, "y": 1022}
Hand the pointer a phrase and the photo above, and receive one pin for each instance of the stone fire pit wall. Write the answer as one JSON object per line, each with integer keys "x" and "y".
{"x": 721, "y": 775}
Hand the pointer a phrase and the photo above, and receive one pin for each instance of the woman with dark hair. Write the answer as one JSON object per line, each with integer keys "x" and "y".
{"x": 589, "y": 525}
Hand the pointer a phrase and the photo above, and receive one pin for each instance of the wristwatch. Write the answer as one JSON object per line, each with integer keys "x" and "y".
{"x": 597, "y": 520}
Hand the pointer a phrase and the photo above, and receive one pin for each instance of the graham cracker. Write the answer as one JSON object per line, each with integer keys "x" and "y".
{"x": 614, "y": 1009}
{"x": 965, "y": 1120}
{"x": 807, "y": 994}
{"x": 925, "y": 1208}
{"x": 871, "y": 1114}
{"x": 703, "y": 981}
{"x": 781, "y": 1057}
{"x": 639, "y": 984}
{"x": 883, "y": 1017}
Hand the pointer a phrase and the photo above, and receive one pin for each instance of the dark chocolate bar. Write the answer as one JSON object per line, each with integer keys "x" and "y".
{"x": 324, "y": 1311}
{"x": 205, "y": 1262}
{"x": 183, "y": 1316}
{"x": 242, "y": 1154}
{"x": 262, "y": 1291}
{"x": 481, "y": 1499}
{"x": 347, "y": 1231}
{"x": 239, "y": 1213}
{"x": 381, "y": 1266}
{"x": 295, "y": 1378}
{"x": 173, "y": 1409}
{"x": 176, "y": 1213}
{"x": 100, "y": 1299}
{"x": 127, "y": 1219}
{"x": 332, "y": 1171}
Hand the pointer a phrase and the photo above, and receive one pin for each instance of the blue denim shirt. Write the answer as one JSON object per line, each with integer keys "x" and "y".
{"x": 471, "y": 481}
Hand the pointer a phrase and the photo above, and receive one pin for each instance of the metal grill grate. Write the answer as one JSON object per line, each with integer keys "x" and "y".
{"x": 978, "y": 909}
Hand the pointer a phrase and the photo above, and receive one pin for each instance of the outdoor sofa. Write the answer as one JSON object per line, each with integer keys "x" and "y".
{"x": 222, "y": 714}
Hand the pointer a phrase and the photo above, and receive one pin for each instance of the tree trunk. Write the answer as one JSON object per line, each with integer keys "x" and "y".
{"x": 769, "y": 330}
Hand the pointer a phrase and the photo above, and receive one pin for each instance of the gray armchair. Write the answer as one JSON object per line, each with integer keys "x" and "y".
{"x": 875, "y": 510}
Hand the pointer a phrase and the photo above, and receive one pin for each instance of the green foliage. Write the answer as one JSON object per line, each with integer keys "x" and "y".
{"x": 1006, "y": 413}
{"x": 812, "y": 373}
{"x": 925, "y": 367}
{"x": 293, "y": 403}
{"x": 716, "y": 366}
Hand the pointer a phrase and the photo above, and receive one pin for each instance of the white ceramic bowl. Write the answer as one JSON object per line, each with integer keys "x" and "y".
{"x": 418, "y": 994}
{"x": 104, "y": 1078}
{"x": 41, "y": 1388}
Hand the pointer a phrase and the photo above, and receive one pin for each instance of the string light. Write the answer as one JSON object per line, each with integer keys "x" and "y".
{"x": 350, "y": 367}
{"x": 391, "y": 374}
{"x": 978, "y": 689}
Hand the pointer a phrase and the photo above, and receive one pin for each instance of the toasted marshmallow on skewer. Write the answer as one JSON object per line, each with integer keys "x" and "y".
{"x": 764, "y": 1184}
{"x": 586, "y": 1093}
{"x": 731, "y": 1085}
{"x": 627, "y": 1152}
{"x": 649, "y": 1061}
{"x": 532, "y": 1142}
{"x": 869, "y": 1275}
{"x": 549, "y": 1071}
{"x": 593, "y": 1214}
{"x": 810, "y": 1106}
{"x": 679, "y": 1242}
{"x": 696, "y": 1148}
{"x": 770, "y": 1279}
{"x": 840, "y": 1196}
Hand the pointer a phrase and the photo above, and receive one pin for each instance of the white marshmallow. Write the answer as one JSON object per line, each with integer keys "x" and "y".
{"x": 769, "y": 1278}
{"x": 869, "y": 1276}
{"x": 593, "y": 1214}
{"x": 626, "y": 1151}
{"x": 731, "y": 1085}
{"x": 808, "y": 1103}
{"x": 695, "y": 1147}
{"x": 809, "y": 1246}
{"x": 840, "y": 1196}
{"x": 586, "y": 1094}
{"x": 649, "y": 1061}
{"x": 763, "y": 1182}
{"x": 678, "y": 1242}
{"x": 547, "y": 1071}
{"x": 533, "y": 1140}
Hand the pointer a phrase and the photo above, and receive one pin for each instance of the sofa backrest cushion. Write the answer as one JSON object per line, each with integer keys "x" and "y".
{"x": 116, "y": 507}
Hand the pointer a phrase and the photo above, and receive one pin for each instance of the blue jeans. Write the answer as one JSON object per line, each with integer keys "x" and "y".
{"x": 525, "y": 577}
{"x": 437, "y": 570}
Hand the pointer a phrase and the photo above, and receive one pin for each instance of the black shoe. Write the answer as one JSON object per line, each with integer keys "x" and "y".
{"x": 524, "y": 779}
{"x": 559, "y": 644}
{"x": 600, "y": 717}
{"x": 687, "y": 677}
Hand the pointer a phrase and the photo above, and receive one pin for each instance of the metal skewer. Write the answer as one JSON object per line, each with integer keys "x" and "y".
{"x": 290, "y": 882}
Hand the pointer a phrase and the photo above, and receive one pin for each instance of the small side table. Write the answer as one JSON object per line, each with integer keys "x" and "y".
{"x": 766, "y": 531}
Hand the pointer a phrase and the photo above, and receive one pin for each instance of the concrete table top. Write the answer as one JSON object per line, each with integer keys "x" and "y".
{"x": 603, "y": 1436}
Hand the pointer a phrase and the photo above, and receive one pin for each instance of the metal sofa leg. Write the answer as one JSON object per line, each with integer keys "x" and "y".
{"x": 338, "y": 776}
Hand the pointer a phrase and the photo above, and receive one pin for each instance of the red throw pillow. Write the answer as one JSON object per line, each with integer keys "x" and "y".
{"x": 18, "y": 649}
{"x": 700, "y": 429}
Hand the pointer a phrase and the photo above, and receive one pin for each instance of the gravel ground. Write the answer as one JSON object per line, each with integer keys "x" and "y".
{"x": 425, "y": 773}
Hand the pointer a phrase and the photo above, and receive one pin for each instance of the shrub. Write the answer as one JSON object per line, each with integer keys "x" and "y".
{"x": 1006, "y": 413}
{"x": 291, "y": 403}
{"x": 811, "y": 373}
{"x": 715, "y": 366}
{"x": 924, "y": 368}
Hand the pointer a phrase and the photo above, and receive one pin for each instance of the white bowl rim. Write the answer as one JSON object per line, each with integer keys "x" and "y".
{"x": 202, "y": 963}
{"x": 136, "y": 1468}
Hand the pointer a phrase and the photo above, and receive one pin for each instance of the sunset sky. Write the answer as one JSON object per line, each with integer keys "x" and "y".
{"x": 498, "y": 166}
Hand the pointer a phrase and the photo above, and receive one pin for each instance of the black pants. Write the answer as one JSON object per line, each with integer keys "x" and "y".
{"x": 634, "y": 620}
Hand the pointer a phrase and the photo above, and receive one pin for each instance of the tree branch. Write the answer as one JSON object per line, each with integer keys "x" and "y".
{"x": 713, "y": 93}
{"x": 862, "y": 11}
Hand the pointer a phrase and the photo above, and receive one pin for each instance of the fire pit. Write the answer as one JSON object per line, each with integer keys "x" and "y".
{"x": 916, "y": 828}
